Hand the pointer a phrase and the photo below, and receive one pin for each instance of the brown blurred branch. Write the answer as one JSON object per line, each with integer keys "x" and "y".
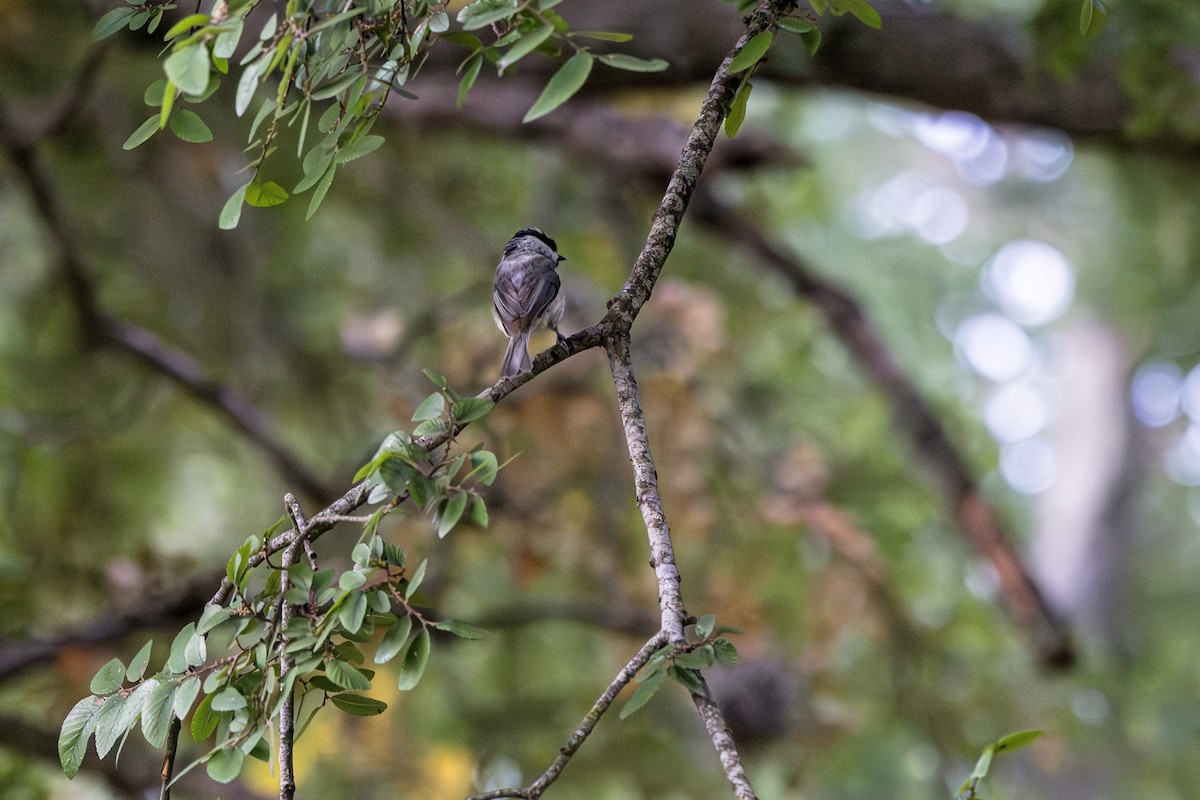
{"x": 975, "y": 516}
{"x": 97, "y": 327}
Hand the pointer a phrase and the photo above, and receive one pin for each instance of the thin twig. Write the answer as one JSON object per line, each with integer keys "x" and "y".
{"x": 535, "y": 789}
{"x": 168, "y": 768}
{"x": 287, "y": 710}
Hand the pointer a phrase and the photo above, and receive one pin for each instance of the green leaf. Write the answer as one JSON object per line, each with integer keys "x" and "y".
{"x": 187, "y": 23}
{"x": 563, "y": 84}
{"x": 474, "y": 64}
{"x": 359, "y": 148}
{"x": 153, "y": 95}
{"x": 316, "y": 164}
{"x": 231, "y": 212}
{"x": 351, "y": 614}
{"x": 76, "y": 729}
{"x": 524, "y": 46}
{"x": 351, "y": 580}
{"x": 357, "y": 705}
{"x": 796, "y": 24}
{"x": 107, "y": 730}
{"x": 415, "y": 580}
{"x": 265, "y": 195}
{"x": 1093, "y": 16}
{"x": 984, "y": 763}
{"x": 393, "y": 642}
{"x": 725, "y": 652}
{"x": 633, "y": 63}
{"x": 187, "y": 68}
{"x": 861, "y": 9}
{"x": 430, "y": 427}
{"x": 643, "y": 693}
{"x": 185, "y": 695}
{"x": 108, "y": 679}
{"x": 156, "y": 713}
{"x": 225, "y": 764}
{"x": 144, "y": 132}
{"x": 1014, "y": 741}
{"x": 414, "y": 662}
{"x": 421, "y": 489}
{"x": 346, "y": 677}
{"x": 690, "y": 679}
{"x": 700, "y": 658}
{"x": 737, "y": 109}
{"x": 484, "y": 12}
{"x": 228, "y": 699}
{"x": 462, "y": 630}
{"x": 430, "y": 408}
{"x": 470, "y": 409}
{"x": 196, "y": 651}
{"x": 248, "y": 85}
{"x": 226, "y": 42}
{"x": 604, "y": 36}
{"x": 752, "y": 53}
{"x": 137, "y": 666}
{"x": 704, "y": 626}
{"x": 452, "y": 512}
{"x": 106, "y": 26}
{"x": 214, "y": 82}
{"x": 479, "y": 513}
{"x": 319, "y": 194}
{"x": 212, "y": 616}
{"x": 204, "y": 721}
{"x": 187, "y": 125}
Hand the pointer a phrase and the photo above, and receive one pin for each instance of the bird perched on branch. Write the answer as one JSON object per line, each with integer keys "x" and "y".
{"x": 525, "y": 295}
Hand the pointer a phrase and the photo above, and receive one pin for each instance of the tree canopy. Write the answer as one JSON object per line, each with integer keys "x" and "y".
{"x": 881, "y": 350}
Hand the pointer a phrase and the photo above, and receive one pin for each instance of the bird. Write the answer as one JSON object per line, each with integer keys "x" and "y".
{"x": 525, "y": 295}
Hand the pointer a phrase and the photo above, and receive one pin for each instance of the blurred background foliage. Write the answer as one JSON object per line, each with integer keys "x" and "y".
{"x": 877, "y": 657}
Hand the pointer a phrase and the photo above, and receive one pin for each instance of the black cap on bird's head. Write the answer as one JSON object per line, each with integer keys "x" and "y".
{"x": 536, "y": 233}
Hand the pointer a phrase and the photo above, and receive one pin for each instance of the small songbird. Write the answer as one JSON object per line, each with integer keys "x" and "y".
{"x": 525, "y": 295}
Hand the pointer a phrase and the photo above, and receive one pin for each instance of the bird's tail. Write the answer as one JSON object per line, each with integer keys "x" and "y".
{"x": 516, "y": 357}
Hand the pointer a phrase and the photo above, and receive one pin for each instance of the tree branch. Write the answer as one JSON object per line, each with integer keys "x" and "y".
{"x": 975, "y": 516}
{"x": 535, "y": 789}
{"x": 100, "y": 328}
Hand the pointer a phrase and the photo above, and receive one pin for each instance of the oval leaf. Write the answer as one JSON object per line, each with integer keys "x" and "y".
{"x": 112, "y": 22}
{"x": 752, "y": 53}
{"x": 415, "y": 661}
{"x": 187, "y": 125}
{"x": 156, "y": 713}
{"x": 265, "y": 195}
{"x": 633, "y": 63}
{"x": 430, "y": 408}
{"x": 108, "y": 679}
{"x": 225, "y": 764}
{"x": 393, "y": 641}
{"x": 562, "y": 85}
{"x": 188, "y": 68}
{"x": 357, "y": 705}
{"x": 76, "y": 729}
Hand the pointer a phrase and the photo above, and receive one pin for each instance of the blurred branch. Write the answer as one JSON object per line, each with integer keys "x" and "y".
{"x": 975, "y": 516}
{"x": 178, "y": 605}
{"x": 99, "y": 327}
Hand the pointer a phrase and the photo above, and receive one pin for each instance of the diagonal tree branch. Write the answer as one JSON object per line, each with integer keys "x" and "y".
{"x": 97, "y": 327}
{"x": 535, "y": 789}
{"x": 975, "y": 516}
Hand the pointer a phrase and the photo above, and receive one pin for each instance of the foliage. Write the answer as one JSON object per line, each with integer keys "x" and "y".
{"x": 293, "y": 630}
{"x": 346, "y": 61}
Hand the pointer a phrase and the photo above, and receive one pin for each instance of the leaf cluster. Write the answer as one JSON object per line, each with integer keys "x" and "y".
{"x": 683, "y": 663}
{"x": 233, "y": 670}
{"x": 342, "y": 63}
